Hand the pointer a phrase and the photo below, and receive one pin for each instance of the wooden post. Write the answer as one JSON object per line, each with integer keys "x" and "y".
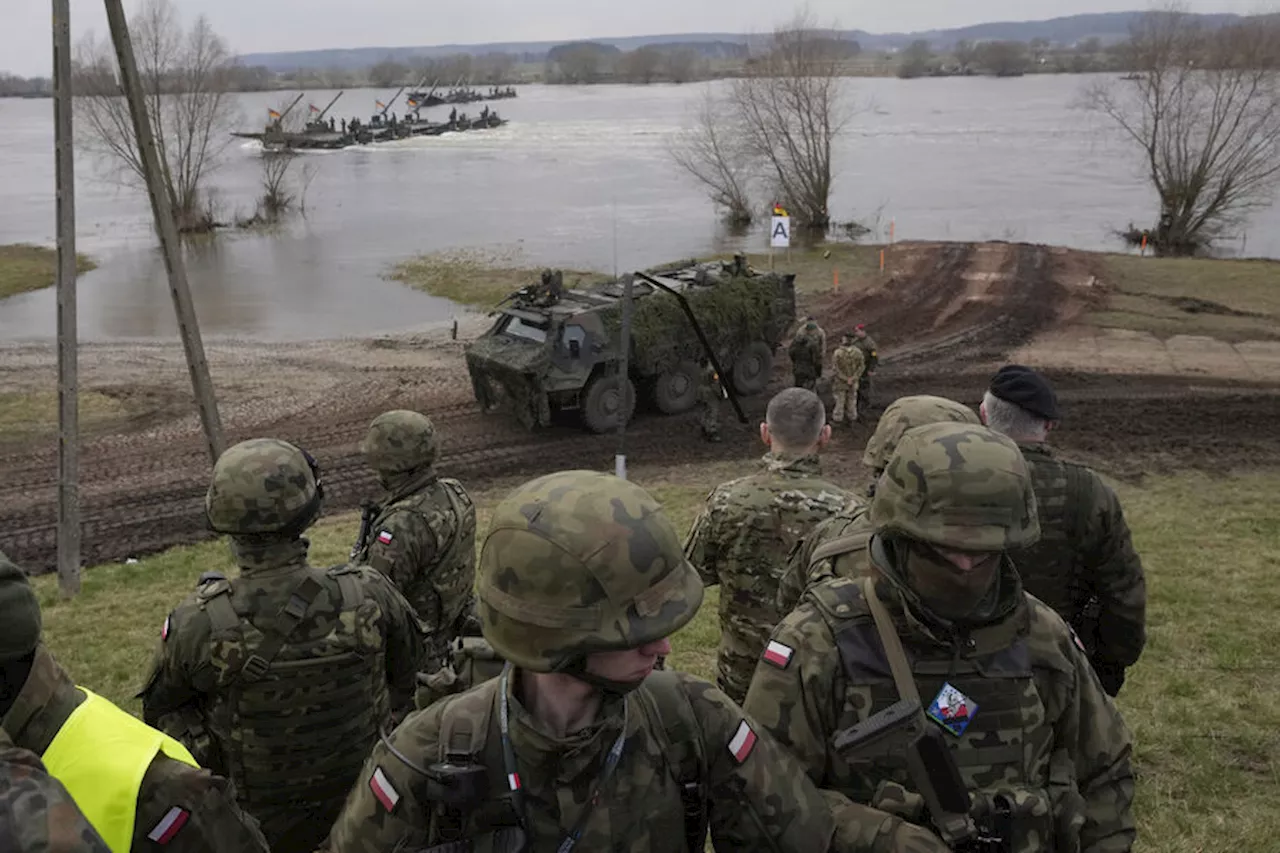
{"x": 68, "y": 350}
{"x": 892, "y": 228}
{"x": 167, "y": 230}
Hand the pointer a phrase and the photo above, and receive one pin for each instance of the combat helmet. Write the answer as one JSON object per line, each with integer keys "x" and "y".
{"x": 958, "y": 486}
{"x": 400, "y": 441}
{"x": 264, "y": 486}
{"x": 578, "y": 562}
{"x": 907, "y": 413}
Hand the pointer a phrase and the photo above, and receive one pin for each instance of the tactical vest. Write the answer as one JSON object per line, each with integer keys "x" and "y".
{"x": 469, "y": 735}
{"x": 295, "y": 719}
{"x": 100, "y": 755}
{"x": 457, "y": 548}
{"x": 848, "y": 551}
{"x": 1051, "y": 569}
{"x": 1004, "y": 752}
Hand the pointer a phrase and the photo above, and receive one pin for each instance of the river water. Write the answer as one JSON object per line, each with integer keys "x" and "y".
{"x": 955, "y": 159}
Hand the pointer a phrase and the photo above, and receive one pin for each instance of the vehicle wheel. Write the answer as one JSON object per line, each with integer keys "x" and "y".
{"x": 604, "y": 406}
{"x": 676, "y": 391}
{"x": 752, "y": 369}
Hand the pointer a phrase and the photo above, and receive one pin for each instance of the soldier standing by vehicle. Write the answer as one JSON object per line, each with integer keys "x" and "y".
{"x": 423, "y": 537}
{"x": 847, "y": 363}
{"x": 871, "y": 355}
{"x": 1084, "y": 566}
{"x": 936, "y": 690}
{"x": 285, "y": 674}
{"x": 838, "y": 546}
{"x": 808, "y": 351}
{"x": 581, "y": 743}
{"x": 710, "y": 393}
{"x": 741, "y": 538}
{"x": 138, "y": 788}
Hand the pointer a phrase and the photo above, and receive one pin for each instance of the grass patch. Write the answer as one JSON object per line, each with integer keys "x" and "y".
{"x": 1226, "y": 299}
{"x": 480, "y": 278}
{"x": 1203, "y": 703}
{"x": 24, "y": 267}
{"x": 26, "y": 413}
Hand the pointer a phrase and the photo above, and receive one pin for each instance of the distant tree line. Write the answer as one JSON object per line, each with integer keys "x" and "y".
{"x": 13, "y": 86}
{"x": 1013, "y": 58}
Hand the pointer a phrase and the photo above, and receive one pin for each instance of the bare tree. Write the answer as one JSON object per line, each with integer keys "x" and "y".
{"x": 966, "y": 53}
{"x": 1204, "y": 109}
{"x": 790, "y": 109}
{"x": 640, "y": 65}
{"x": 187, "y": 79}
{"x": 915, "y": 60}
{"x": 714, "y": 153}
{"x": 682, "y": 64}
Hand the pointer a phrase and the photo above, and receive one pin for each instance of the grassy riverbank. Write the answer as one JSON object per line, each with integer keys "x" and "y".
{"x": 477, "y": 278}
{"x": 24, "y": 267}
{"x": 1203, "y": 703}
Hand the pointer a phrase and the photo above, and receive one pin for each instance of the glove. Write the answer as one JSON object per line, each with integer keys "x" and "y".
{"x": 909, "y": 838}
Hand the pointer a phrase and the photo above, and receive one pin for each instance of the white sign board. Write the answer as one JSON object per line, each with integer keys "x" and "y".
{"x": 780, "y": 232}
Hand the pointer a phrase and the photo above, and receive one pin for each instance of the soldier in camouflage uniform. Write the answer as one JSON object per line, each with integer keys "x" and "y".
{"x": 989, "y": 686}
{"x": 871, "y": 357}
{"x": 1084, "y": 566}
{"x": 710, "y": 393}
{"x": 847, "y": 365}
{"x": 284, "y": 675}
{"x": 424, "y": 535}
{"x": 837, "y": 547}
{"x": 580, "y": 743}
{"x": 138, "y": 789}
{"x": 37, "y": 815}
{"x": 807, "y": 352}
{"x": 741, "y": 538}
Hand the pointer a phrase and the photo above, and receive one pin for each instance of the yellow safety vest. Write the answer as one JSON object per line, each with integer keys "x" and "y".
{"x": 100, "y": 755}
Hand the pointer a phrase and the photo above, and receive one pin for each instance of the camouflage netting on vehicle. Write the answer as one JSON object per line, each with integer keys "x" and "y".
{"x": 732, "y": 313}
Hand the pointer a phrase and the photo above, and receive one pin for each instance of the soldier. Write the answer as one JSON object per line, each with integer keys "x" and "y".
{"x": 285, "y": 674}
{"x": 137, "y": 787}
{"x": 871, "y": 355}
{"x": 847, "y": 364}
{"x": 936, "y": 689}
{"x": 424, "y": 535}
{"x": 37, "y": 815}
{"x": 581, "y": 743}
{"x": 1084, "y": 566}
{"x": 807, "y": 351}
{"x": 710, "y": 393}
{"x": 741, "y": 538}
{"x": 837, "y": 547}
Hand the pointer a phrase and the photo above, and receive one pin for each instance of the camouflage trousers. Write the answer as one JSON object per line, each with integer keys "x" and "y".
{"x": 846, "y": 402}
{"x": 807, "y": 379}
{"x": 709, "y": 418}
{"x": 864, "y": 392}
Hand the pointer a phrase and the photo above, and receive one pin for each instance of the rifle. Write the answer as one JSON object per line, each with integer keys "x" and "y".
{"x": 368, "y": 512}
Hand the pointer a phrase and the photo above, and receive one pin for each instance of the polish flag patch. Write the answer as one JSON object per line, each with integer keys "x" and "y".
{"x": 385, "y": 537}
{"x": 778, "y": 654}
{"x": 744, "y": 740}
{"x": 383, "y": 790}
{"x": 164, "y": 629}
{"x": 173, "y": 820}
{"x": 513, "y": 780}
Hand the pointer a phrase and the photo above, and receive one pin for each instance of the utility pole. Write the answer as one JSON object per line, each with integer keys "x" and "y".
{"x": 68, "y": 380}
{"x": 167, "y": 230}
{"x": 620, "y": 458}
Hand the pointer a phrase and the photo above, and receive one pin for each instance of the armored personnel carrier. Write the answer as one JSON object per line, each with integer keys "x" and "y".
{"x": 553, "y": 349}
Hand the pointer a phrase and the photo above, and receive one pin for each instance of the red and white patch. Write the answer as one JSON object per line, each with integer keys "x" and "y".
{"x": 173, "y": 820}
{"x": 385, "y": 537}
{"x": 383, "y": 790}
{"x": 164, "y": 629}
{"x": 744, "y": 740}
{"x": 778, "y": 654}
{"x": 513, "y": 780}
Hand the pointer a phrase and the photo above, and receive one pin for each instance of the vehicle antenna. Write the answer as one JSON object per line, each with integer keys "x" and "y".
{"x": 624, "y": 385}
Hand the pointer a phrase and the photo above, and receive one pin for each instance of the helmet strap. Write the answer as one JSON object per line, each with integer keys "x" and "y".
{"x": 577, "y": 667}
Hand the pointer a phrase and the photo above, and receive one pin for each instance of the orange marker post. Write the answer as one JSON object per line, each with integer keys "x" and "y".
{"x": 892, "y": 228}
{"x": 1144, "y": 244}
{"x": 835, "y": 280}
{"x": 882, "y": 260}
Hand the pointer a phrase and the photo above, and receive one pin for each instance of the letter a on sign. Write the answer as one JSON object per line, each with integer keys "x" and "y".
{"x": 780, "y": 236}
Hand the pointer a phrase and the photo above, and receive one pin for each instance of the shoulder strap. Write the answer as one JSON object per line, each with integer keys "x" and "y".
{"x": 668, "y": 708}
{"x": 348, "y": 584}
{"x": 215, "y": 595}
{"x": 846, "y": 544}
{"x": 902, "y": 677}
{"x": 454, "y": 505}
{"x": 275, "y": 636}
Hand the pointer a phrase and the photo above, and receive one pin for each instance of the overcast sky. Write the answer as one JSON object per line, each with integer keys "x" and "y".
{"x": 278, "y": 25}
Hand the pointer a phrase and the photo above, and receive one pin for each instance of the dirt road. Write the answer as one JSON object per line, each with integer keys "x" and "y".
{"x": 950, "y": 315}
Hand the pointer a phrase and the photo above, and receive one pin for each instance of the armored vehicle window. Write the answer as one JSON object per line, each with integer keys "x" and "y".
{"x": 570, "y": 336}
{"x": 519, "y": 328}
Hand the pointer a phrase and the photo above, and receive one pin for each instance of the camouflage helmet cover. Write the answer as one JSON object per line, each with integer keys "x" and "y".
{"x": 958, "y": 486}
{"x": 578, "y": 562}
{"x": 400, "y": 441}
{"x": 907, "y": 413}
{"x": 263, "y": 485}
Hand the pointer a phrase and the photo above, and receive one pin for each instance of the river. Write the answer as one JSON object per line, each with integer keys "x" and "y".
{"x": 954, "y": 159}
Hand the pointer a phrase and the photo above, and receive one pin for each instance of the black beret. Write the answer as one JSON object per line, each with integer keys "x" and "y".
{"x": 19, "y": 613}
{"x": 1027, "y": 390}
